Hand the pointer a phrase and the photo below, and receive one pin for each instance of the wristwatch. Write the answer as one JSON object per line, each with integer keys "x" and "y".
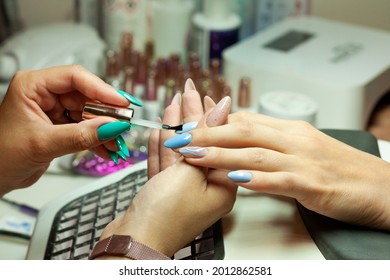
{"x": 125, "y": 246}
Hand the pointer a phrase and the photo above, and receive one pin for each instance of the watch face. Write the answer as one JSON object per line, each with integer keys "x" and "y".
{"x": 119, "y": 245}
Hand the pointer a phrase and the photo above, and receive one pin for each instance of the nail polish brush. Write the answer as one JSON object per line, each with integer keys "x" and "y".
{"x": 93, "y": 109}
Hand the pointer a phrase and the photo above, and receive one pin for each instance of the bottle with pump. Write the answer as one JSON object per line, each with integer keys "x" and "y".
{"x": 213, "y": 30}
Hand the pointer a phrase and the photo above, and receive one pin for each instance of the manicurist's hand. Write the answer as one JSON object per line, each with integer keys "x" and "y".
{"x": 294, "y": 159}
{"x": 180, "y": 200}
{"x": 40, "y": 120}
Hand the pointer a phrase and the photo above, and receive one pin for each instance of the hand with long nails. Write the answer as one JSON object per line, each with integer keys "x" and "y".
{"x": 41, "y": 120}
{"x": 180, "y": 200}
{"x": 292, "y": 158}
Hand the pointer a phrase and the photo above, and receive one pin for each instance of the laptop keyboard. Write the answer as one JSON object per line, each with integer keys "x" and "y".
{"x": 78, "y": 225}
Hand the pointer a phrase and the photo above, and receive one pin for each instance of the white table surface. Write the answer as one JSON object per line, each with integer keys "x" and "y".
{"x": 259, "y": 226}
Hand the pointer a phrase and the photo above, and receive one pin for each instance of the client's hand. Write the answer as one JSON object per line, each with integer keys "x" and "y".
{"x": 180, "y": 201}
{"x": 38, "y": 121}
{"x": 292, "y": 158}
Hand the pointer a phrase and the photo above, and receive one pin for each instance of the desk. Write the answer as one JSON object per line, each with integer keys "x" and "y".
{"x": 259, "y": 226}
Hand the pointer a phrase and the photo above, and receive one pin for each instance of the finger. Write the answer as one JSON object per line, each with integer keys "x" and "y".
{"x": 221, "y": 192}
{"x": 153, "y": 153}
{"x": 233, "y": 159}
{"x": 73, "y": 101}
{"x": 75, "y": 116}
{"x": 111, "y": 146}
{"x": 192, "y": 108}
{"x": 287, "y": 126}
{"x": 57, "y": 114}
{"x": 172, "y": 114}
{"x": 240, "y": 135}
{"x": 278, "y": 183}
{"x": 66, "y": 79}
{"x": 75, "y": 137}
{"x": 219, "y": 177}
{"x": 101, "y": 151}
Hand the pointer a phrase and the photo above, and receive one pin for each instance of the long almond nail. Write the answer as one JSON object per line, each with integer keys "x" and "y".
{"x": 189, "y": 85}
{"x": 130, "y": 98}
{"x": 112, "y": 129}
{"x": 187, "y": 127}
{"x": 193, "y": 151}
{"x": 121, "y": 144}
{"x": 178, "y": 141}
{"x": 219, "y": 114}
{"x": 176, "y": 99}
{"x": 240, "y": 176}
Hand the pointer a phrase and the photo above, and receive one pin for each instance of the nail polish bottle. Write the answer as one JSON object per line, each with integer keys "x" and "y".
{"x": 213, "y": 30}
{"x": 112, "y": 73}
{"x": 244, "y": 102}
{"x": 126, "y": 49}
{"x": 151, "y": 105}
{"x": 160, "y": 82}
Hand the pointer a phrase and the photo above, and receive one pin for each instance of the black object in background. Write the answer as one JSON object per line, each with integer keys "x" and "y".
{"x": 342, "y": 241}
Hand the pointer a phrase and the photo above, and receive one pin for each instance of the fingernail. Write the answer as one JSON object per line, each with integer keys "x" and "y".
{"x": 176, "y": 99}
{"x": 187, "y": 127}
{"x": 219, "y": 114}
{"x": 112, "y": 129}
{"x": 193, "y": 151}
{"x": 189, "y": 85}
{"x": 178, "y": 141}
{"x": 240, "y": 176}
{"x": 122, "y": 155}
{"x": 208, "y": 103}
{"x": 120, "y": 142}
{"x": 113, "y": 156}
{"x": 129, "y": 97}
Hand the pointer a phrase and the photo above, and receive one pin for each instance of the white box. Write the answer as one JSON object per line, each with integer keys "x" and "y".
{"x": 343, "y": 67}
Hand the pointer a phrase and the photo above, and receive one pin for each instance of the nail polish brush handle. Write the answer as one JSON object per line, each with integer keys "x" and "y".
{"x": 94, "y": 109}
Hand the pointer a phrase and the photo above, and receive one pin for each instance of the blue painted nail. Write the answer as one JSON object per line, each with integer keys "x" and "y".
{"x": 193, "y": 151}
{"x": 112, "y": 129}
{"x": 178, "y": 141}
{"x": 187, "y": 127}
{"x": 120, "y": 142}
{"x": 131, "y": 98}
{"x": 240, "y": 176}
{"x": 113, "y": 156}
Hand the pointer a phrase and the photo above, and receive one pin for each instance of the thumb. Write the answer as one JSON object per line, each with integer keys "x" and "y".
{"x": 76, "y": 137}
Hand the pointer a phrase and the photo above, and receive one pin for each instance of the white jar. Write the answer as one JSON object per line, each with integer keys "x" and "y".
{"x": 288, "y": 105}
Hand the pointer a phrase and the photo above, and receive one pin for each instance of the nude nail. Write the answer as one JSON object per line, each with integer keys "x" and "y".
{"x": 189, "y": 85}
{"x": 208, "y": 103}
{"x": 220, "y": 112}
{"x": 176, "y": 99}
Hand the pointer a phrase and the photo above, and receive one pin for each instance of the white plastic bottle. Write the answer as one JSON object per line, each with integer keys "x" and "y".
{"x": 214, "y": 29}
{"x": 124, "y": 16}
{"x": 171, "y": 22}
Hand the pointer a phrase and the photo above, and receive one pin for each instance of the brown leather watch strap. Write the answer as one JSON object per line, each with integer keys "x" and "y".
{"x": 125, "y": 246}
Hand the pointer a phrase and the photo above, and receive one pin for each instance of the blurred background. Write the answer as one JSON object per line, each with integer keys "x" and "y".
{"x": 259, "y": 52}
